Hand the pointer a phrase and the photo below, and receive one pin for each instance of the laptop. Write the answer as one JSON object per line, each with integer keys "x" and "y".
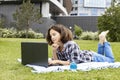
{"x": 34, "y": 53}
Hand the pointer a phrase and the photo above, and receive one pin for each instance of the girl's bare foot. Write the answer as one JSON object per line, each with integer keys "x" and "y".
{"x": 102, "y": 37}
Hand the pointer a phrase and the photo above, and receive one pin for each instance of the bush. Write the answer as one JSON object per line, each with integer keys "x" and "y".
{"x": 77, "y": 31}
{"x": 13, "y": 33}
{"x": 8, "y": 33}
{"x": 111, "y": 21}
{"x": 89, "y": 36}
{"x": 25, "y": 34}
{"x": 0, "y": 32}
{"x": 39, "y": 35}
{"x": 30, "y": 34}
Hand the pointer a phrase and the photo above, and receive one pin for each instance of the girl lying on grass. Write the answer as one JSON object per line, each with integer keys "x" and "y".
{"x": 65, "y": 50}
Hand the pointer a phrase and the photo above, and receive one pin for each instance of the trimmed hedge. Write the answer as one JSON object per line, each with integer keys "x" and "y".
{"x": 89, "y": 35}
{"x": 13, "y": 33}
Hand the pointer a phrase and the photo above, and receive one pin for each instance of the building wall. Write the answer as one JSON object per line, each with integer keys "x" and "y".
{"x": 7, "y": 11}
{"x": 87, "y": 23}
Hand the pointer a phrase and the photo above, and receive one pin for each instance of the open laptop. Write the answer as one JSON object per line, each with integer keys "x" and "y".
{"x": 35, "y": 53}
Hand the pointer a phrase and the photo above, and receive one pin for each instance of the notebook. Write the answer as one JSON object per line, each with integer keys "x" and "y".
{"x": 34, "y": 53}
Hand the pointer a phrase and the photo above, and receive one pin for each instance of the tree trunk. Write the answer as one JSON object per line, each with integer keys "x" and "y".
{"x": 27, "y": 29}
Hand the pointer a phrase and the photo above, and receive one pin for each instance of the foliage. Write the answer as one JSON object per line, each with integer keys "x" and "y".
{"x": 25, "y": 15}
{"x": 2, "y": 21}
{"x": 77, "y": 30}
{"x": 111, "y": 21}
{"x": 115, "y": 2}
{"x": 8, "y": 33}
{"x": 30, "y": 34}
{"x": 0, "y": 32}
{"x": 13, "y": 33}
{"x": 89, "y": 35}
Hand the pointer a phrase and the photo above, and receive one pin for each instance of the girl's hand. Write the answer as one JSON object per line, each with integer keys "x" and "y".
{"x": 55, "y": 46}
{"x": 53, "y": 62}
{"x": 54, "y": 49}
{"x": 58, "y": 62}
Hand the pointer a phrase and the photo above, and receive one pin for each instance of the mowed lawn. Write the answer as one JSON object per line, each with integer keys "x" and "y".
{"x": 11, "y": 69}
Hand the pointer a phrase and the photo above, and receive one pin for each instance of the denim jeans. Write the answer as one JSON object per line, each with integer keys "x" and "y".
{"x": 104, "y": 53}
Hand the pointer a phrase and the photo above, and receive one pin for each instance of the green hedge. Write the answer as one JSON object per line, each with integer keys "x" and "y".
{"x": 88, "y": 35}
{"x": 13, "y": 33}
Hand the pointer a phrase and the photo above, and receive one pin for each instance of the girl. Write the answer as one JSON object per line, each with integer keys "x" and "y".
{"x": 65, "y": 50}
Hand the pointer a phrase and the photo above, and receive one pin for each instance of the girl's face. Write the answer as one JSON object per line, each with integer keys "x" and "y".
{"x": 55, "y": 36}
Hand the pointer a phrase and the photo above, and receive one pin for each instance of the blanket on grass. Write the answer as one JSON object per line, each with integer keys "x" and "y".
{"x": 80, "y": 67}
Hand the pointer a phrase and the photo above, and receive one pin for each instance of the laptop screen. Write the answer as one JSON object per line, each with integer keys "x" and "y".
{"x": 35, "y": 53}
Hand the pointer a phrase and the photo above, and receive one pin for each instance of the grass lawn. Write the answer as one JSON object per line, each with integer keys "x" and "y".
{"x": 11, "y": 69}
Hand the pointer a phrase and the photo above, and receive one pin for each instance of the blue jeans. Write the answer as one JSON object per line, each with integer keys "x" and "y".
{"x": 104, "y": 53}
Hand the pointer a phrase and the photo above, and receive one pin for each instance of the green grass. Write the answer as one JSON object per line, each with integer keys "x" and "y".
{"x": 11, "y": 69}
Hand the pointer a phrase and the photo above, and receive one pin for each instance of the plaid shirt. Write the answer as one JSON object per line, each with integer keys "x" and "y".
{"x": 71, "y": 52}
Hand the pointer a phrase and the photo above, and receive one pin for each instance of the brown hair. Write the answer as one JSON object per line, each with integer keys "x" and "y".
{"x": 66, "y": 34}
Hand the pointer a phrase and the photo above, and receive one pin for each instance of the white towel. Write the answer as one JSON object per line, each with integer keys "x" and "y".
{"x": 80, "y": 67}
